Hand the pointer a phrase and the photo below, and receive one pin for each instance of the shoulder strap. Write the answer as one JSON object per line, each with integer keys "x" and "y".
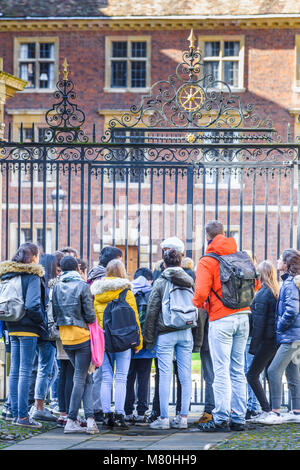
{"x": 218, "y": 258}
{"x": 123, "y": 294}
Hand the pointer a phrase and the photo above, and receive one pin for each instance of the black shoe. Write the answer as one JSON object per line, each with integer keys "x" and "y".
{"x": 99, "y": 416}
{"x": 236, "y": 426}
{"x": 153, "y": 417}
{"x": 120, "y": 422}
{"x": 211, "y": 426}
{"x": 250, "y": 414}
{"x": 109, "y": 420}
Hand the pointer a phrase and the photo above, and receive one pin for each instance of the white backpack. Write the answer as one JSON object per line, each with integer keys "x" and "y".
{"x": 178, "y": 310}
{"x": 12, "y": 306}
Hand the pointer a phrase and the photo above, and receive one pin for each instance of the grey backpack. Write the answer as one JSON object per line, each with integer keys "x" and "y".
{"x": 238, "y": 278}
{"x": 178, "y": 310}
{"x": 12, "y": 306}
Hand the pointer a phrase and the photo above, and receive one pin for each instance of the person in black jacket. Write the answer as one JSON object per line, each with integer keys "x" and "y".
{"x": 25, "y": 332}
{"x": 73, "y": 311}
{"x": 263, "y": 342}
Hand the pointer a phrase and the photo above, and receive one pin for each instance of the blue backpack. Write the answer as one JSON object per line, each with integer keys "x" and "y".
{"x": 121, "y": 331}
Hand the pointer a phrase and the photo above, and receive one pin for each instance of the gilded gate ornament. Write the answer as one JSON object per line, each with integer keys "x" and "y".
{"x": 190, "y": 97}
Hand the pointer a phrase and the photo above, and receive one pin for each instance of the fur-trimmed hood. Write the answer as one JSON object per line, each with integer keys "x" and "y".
{"x": 297, "y": 281}
{"x": 27, "y": 268}
{"x": 110, "y": 284}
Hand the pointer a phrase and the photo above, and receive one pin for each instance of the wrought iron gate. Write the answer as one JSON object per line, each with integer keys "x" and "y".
{"x": 190, "y": 152}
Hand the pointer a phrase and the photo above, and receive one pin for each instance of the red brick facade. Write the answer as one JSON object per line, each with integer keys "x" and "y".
{"x": 269, "y": 80}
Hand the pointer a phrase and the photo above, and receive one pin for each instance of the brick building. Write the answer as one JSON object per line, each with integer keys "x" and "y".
{"x": 116, "y": 51}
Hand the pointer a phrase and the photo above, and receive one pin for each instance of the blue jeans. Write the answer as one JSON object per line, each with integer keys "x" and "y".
{"x": 23, "y": 349}
{"x": 97, "y": 379}
{"x": 181, "y": 342}
{"x": 227, "y": 342}
{"x": 82, "y": 381}
{"x": 122, "y": 360}
{"x": 46, "y": 356}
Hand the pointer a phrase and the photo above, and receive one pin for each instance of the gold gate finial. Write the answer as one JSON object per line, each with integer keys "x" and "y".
{"x": 65, "y": 66}
{"x": 192, "y": 39}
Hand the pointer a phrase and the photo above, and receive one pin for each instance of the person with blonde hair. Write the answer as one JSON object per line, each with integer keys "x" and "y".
{"x": 106, "y": 290}
{"x": 287, "y": 334}
{"x": 263, "y": 342}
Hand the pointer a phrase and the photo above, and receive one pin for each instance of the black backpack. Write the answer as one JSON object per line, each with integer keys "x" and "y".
{"x": 141, "y": 302}
{"x": 238, "y": 279}
{"x": 121, "y": 331}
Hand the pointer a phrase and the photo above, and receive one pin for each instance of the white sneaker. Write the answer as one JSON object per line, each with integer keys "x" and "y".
{"x": 73, "y": 426}
{"x": 290, "y": 417}
{"x": 254, "y": 419}
{"x": 179, "y": 422}
{"x": 160, "y": 423}
{"x": 270, "y": 418}
{"x": 32, "y": 410}
{"x": 91, "y": 427}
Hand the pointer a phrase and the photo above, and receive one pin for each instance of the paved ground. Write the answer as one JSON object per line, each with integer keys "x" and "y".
{"x": 142, "y": 438}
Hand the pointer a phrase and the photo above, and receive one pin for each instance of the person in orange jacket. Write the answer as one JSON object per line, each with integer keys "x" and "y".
{"x": 227, "y": 336}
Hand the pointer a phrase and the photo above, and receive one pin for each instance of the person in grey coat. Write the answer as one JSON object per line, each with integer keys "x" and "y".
{"x": 170, "y": 339}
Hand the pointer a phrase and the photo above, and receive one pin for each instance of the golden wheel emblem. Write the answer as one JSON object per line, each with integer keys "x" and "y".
{"x": 190, "y": 97}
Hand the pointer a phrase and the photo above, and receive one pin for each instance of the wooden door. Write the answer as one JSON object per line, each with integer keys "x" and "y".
{"x": 131, "y": 259}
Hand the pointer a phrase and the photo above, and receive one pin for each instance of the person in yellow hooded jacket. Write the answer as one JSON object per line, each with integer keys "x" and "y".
{"x": 104, "y": 291}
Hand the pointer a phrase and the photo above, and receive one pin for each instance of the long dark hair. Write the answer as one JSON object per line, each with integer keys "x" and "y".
{"x": 172, "y": 258}
{"x": 25, "y": 253}
{"x": 292, "y": 261}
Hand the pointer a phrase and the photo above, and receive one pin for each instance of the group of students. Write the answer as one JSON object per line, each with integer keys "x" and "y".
{"x": 61, "y": 300}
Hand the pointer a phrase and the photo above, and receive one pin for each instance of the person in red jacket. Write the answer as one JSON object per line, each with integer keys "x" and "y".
{"x": 227, "y": 336}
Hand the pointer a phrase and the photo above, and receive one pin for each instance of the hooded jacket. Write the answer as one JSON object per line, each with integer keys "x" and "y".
{"x": 287, "y": 313}
{"x": 153, "y": 325}
{"x": 208, "y": 278}
{"x": 35, "y": 297}
{"x": 96, "y": 273}
{"x": 109, "y": 288}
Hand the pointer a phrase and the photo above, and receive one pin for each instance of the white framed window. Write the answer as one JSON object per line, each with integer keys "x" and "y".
{"x": 37, "y": 236}
{"x": 36, "y": 61}
{"x": 127, "y": 63}
{"x": 226, "y": 174}
{"x": 136, "y": 136}
{"x": 297, "y": 63}
{"x": 38, "y": 174}
{"x": 223, "y": 58}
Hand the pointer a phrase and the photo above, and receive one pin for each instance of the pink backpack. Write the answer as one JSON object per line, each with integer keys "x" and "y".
{"x": 97, "y": 343}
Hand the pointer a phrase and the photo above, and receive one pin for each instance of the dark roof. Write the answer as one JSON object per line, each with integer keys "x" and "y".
{"x": 49, "y": 8}
{"x": 145, "y": 8}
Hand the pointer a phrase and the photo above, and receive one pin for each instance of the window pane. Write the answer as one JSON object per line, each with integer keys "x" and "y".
{"x": 25, "y": 235}
{"x": 231, "y": 73}
{"x": 27, "y": 134}
{"x": 27, "y": 72}
{"x": 119, "y": 73}
{"x": 46, "y": 77}
{"x": 27, "y": 50}
{"x": 119, "y": 49}
{"x": 139, "y": 49}
{"x": 137, "y": 154}
{"x": 231, "y": 48}
{"x": 212, "y": 49}
{"x": 138, "y": 74}
{"x": 46, "y": 50}
{"x": 212, "y": 69}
